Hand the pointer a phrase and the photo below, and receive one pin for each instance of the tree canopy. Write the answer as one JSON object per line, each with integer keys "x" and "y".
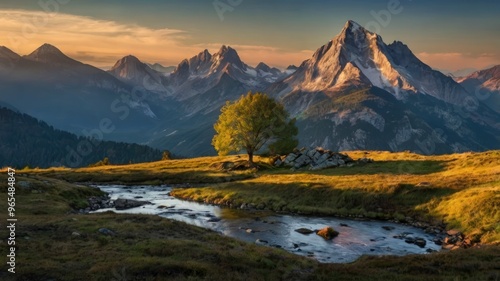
{"x": 251, "y": 123}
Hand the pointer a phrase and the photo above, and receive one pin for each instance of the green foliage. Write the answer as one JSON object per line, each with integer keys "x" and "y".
{"x": 250, "y": 123}
{"x": 27, "y": 142}
{"x": 103, "y": 162}
{"x": 166, "y": 155}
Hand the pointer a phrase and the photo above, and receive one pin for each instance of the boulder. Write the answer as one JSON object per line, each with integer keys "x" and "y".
{"x": 328, "y": 233}
{"x": 304, "y": 231}
{"x": 420, "y": 242}
{"x": 124, "y": 204}
{"x": 290, "y": 158}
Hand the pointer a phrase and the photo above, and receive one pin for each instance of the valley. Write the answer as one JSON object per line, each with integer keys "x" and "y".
{"x": 406, "y": 187}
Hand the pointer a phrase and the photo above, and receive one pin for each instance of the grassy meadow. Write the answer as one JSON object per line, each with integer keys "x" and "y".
{"x": 55, "y": 243}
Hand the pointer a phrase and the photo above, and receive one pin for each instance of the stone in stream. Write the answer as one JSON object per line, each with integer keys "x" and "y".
{"x": 304, "y": 231}
{"x": 410, "y": 240}
{"x": 388, "y": 228}
{"x": 213, "y": 220}
{"x": 327, "y": 233}
{"x": 420, "y": 242}
{"x": 124, "y": 204}
{"x": 261, "y": 242}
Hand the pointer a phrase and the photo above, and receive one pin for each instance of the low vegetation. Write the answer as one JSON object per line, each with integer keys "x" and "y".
{"x": 461, "y": 190}
{"x": 55, "y": 243}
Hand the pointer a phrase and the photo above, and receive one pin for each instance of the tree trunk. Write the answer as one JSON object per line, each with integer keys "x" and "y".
{"x": 250, "y": 158}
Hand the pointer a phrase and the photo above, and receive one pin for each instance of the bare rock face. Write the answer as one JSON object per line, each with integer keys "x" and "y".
{"x": 316, "y": 159}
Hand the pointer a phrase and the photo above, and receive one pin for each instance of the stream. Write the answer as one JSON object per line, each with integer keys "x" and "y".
{"x": 356, "y": 238}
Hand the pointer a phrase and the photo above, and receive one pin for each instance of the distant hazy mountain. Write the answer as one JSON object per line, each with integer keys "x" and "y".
{"x": 356, "y": 92}
{"x": 160, "y": 68}
{"x": 77, "y": 97}
{"x": 29, "y": 142}
{"x": 130, "y": 70}
{"x": 485, "y": 86}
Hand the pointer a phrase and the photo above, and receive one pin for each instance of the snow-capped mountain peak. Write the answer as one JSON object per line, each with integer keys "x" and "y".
{"x": 393, "y": 68}
{"x": 226, "y": 55}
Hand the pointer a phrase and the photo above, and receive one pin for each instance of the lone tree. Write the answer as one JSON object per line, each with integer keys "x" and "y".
{"x": 252, "y": 122}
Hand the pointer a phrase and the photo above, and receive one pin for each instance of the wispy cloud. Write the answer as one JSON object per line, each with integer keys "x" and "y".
{"x": 102, "y": 42}
{"x": 456, "y": 61}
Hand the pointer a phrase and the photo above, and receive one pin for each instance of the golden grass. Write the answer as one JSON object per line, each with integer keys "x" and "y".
{"x": 152, "y": 248}
{"x": 451, "y": 188}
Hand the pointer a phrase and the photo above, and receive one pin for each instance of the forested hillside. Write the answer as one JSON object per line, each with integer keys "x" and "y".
{"x": 26, "y": 141}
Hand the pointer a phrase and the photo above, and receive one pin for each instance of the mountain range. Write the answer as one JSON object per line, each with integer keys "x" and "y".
{"x": 355, "y": 92}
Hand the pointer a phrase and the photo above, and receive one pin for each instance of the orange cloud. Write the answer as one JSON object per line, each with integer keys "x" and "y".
{"x": 457, "y": 61}
{"x": 102, "y": 42}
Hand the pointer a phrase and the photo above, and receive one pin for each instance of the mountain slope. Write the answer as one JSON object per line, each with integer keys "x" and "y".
{"x": 77, "y": 97}
{"x": 356, "y": 92}
{"x": 357, "y": 58}
{"x": 485, "y": 86}
{"x": 131, "y": 70}
{"x": 29, "y": 142}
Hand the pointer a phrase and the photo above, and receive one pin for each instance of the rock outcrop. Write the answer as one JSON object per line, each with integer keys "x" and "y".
{"x": 316, "y": 159}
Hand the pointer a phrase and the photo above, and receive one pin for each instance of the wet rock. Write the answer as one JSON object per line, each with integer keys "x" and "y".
{"x": 106, "y": 231}
{"x": 429, "y": 250}
{"x": 261, "y": 242}
{"x": 124, "y": 204}
{"x": 410, "y": 240}
{"x": 344, "y": 225}
{"x": 249, "y": 230}
{"x": 438, "y": 241}
{"x": 327, "y": 233}
{"x": 165, "y": 207}
{"x": 304, "y": 231}
{"x": 388, "y": 228}
{"x": 213, "y": 220}
{"x": 420, "y": 242}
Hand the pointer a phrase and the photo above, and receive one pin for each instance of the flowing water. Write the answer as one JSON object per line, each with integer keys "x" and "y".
{"x": 356, "y": 238}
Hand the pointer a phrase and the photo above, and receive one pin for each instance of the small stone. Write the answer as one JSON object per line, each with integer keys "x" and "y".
{"x": 106, "y": 231}
{"x": 388, "y": 228}
{"x": 410, "y": 240}
{"x": 304, "y": 231}
{"x": 75, "y": 234}
{"x": 420, "y": 242}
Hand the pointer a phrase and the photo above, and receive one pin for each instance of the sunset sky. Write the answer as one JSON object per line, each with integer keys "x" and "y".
{"x": 448, "y": 35}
